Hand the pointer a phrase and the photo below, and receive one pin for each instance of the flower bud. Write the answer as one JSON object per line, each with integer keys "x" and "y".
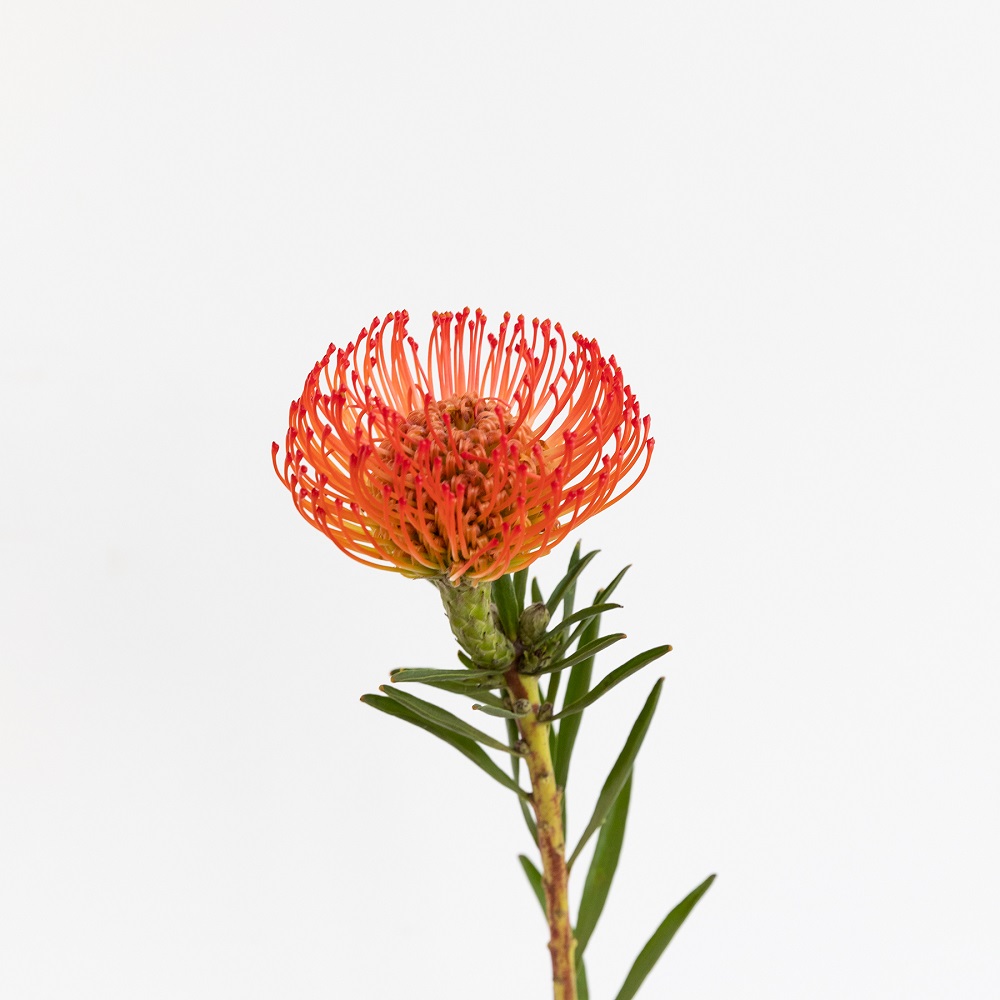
{"x": 532, "y": 624}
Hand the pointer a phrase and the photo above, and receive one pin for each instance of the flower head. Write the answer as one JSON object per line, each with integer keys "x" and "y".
{"x": 465, "y": 461}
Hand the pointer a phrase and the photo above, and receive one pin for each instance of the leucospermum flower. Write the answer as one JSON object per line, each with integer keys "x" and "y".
{"x": 465, "y": 461}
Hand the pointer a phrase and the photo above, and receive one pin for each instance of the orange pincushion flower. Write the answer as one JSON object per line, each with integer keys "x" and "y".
{"x": 469, "y": 461}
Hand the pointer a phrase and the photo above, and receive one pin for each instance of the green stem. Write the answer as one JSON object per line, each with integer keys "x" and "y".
{"x": 476, "y": 626}
{"x": 546, "y": 798}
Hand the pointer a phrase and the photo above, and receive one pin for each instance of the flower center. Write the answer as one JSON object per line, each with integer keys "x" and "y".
{"x": 454, "y": 473}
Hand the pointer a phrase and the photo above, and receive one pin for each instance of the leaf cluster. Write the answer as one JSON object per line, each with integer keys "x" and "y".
{"x": 553, "y": 651}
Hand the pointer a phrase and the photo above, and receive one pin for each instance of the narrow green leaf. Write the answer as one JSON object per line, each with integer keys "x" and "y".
{"x": 583, "y": 618}
{"x": 476, "y": 694}
{"x": 583, "y": 615}
{"x": 574, "y": 557}
{"x": 569, "y": 580}
{"x": 520, "y": 587}
{"x": 466, "y": 660}
{"x": 472, "y": 750}
{"x": 581, "y": 624}
{"x": 515, "y": 766}
{"x": 582, "y": 989}
{"x": 576, "y": 687}
{"x": 443, "y": 718}
{"x": 570, "y": 596}
{"x": 658, "y": 942}
{"x": 422, "y": 675}
{"x": 615, "y": 677}
{"x": 506, "y": 602}
{"x": 584, "y": 652}
{"x": 536, "y": 593}
{"x": 603, "y": 595}
{"x": 602, "y": 869}
{"x": 553, "y": 689}
{"x": 621, "y": 770}
{"x": 535, "y": 879}
{"x": 500, "y": 713}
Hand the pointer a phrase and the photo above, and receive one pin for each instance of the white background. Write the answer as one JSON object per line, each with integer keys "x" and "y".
{"x": 783, "y": 219}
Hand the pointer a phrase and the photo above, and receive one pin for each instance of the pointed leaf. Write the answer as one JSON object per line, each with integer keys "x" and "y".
{"x": 658, "y": 942}
{"x": 603, "y": 595}
{"x": 422, "y": 675}
{"x": 602, "y": 869}
{"x": 444, "y": 719}
{"x": 569, "y": 580}
{"x": 567, "y": 642}
{"x": 582, "y": 989}
{"x": 576, "y": 687}
{"x": 535, "y": 879}
{"x": 621, "y": 770}
{"x": 472, "y": 750}
{"x": 615, "y": 677}
{"x": 553, "y": 689}
{"x": 520, "y": 587}
{"x": 500, "y": 713}
{"x": 584, "y": 652}
{"x": 476, "y": 694}
{"x": 566, "y": 587}
{"x": 570, "y": 596}
{"x": 536, "y": 593}
{"x": 506, "y": 602}
{"x": 583, "y": 615}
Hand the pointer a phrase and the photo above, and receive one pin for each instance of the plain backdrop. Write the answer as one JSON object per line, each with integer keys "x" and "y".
{"x": 781, "y": 217}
